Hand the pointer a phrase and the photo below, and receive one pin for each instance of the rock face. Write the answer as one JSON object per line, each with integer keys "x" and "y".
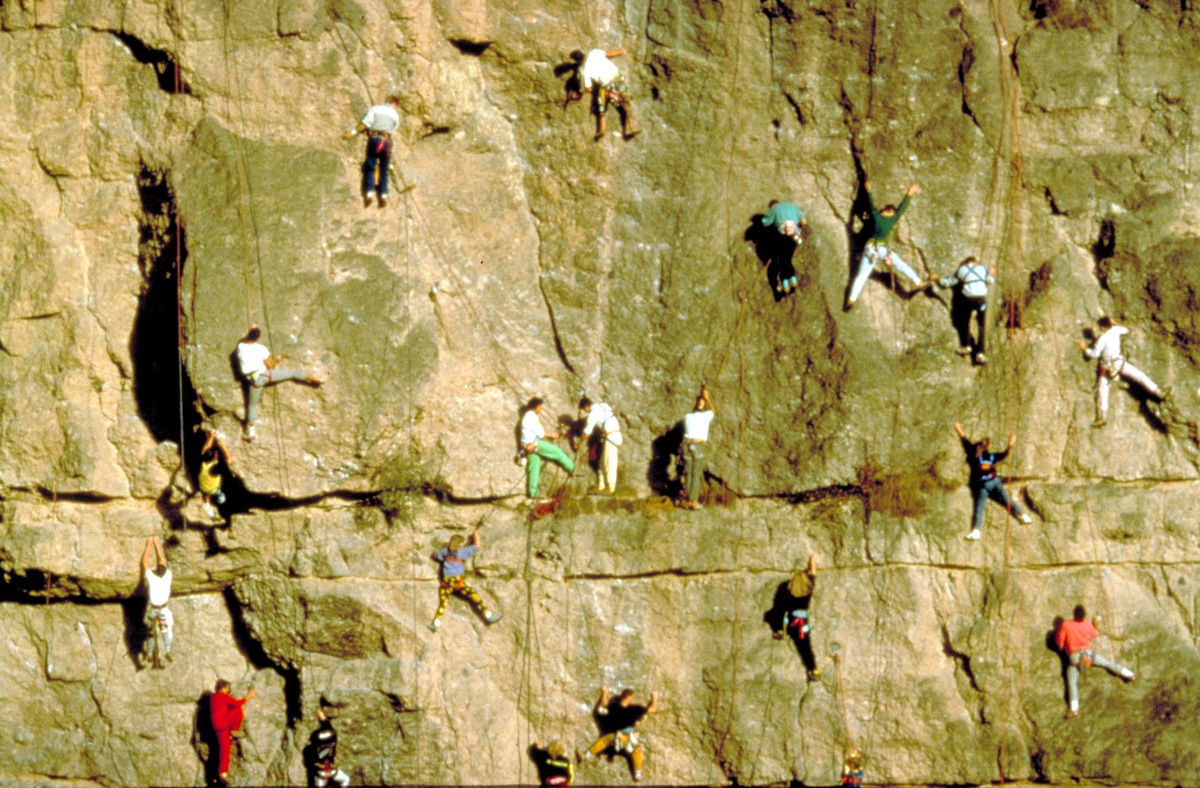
{"x": 172, "y": 171}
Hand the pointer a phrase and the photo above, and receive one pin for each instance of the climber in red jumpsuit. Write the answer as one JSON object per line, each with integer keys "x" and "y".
{"x": 226, "y": 712}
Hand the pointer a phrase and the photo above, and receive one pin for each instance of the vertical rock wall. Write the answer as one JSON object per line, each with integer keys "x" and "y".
{"x": 172, "y": 170}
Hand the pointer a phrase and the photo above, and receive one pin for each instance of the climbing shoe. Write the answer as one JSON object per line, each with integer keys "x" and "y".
{"x": 975, "y": 534}
{"x": 980, "y": 359}
{"x": 492, "y": 618}
{"x": 1025, "y": 518}
{"x": 964, "y": 351}
{"x": 434, "y": 625}
{"x": 1100, "y": 421}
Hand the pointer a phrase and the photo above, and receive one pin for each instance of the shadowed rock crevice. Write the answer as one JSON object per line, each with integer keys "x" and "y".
{"x": 166, "y": 68}
{"x": 161, "y": 384}
{"x": 254, "y": 652}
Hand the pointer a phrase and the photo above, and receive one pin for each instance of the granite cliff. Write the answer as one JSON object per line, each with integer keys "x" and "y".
{"x": 172, "y": 170}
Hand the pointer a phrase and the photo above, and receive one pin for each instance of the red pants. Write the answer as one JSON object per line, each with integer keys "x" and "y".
{"x": 225, "y": 739}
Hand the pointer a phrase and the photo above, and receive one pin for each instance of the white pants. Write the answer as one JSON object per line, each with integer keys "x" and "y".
{"x": 1129, "y": 372}
{"x": 608, "y": 461}
{"x": 873, "y": 254}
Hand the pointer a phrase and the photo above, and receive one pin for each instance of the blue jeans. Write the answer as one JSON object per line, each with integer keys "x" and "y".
{"x": 993, "y": 488}
{"x": 379, "y": 155}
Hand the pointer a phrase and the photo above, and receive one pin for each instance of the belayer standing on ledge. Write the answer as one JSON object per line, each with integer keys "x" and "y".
{"x": 602, "y": 76}
{"x": 600, "y": 416}
{"x": 380, "y": 123}
{"x": 695, "y": 437}
{"x": 984, "y": 482}
{"x": 536, "y": 445}
{"x": 1112, "y": 366}
{"x": 881, "y": 224}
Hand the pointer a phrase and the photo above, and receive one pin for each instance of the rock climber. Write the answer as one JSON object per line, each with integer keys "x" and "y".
{"x": 880, "y": 226}
{"x": 226, "y": 714}
{"x": 322, "y": 752}
{"x": 259, "y": 370}
{"x": 380, "y": 123}
{"x": 553, "y": 765}
{"x": 1074, "y": 638}
{"x": 607, "y": 83}
{"x": 209, "y": 478}
{"x": 157, "y": 577}
{"x": 971, "y": 281}
{"x": 790, "y": 614}
{"x": 852, "y": 769}
{"x": 453, "y": 558}
{"x": 984, "y": 482}
{"x": 1113, "y": 365}
{"x": 536, "y": 445}
{"x": 789, "y": 220}
{"x": 602, "y": 421}
{"x": 695, "y": 437}
{"x": 618, "y": 718}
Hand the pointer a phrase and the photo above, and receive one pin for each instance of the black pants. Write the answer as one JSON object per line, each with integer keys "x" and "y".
{"x": 804, "y": 645}
{"x": 960, "y": 311}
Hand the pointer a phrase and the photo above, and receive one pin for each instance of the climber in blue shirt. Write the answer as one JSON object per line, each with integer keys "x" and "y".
{"x": 984, "y": 482}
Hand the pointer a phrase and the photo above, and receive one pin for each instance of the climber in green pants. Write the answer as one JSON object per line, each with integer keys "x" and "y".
{"x": 535, "y": 443}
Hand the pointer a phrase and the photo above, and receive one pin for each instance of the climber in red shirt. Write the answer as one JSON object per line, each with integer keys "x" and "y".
{"x": 1074, "y": 638}
{"x": 226, "y": 713}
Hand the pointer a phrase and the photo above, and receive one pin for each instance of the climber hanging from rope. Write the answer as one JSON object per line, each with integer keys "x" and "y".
{"x": 214, "y": 455}
{"x": 617, "y": 719}
{"x": 602, "y": 76}
{"x": 984, "y": 482}
{"x": 878, "y": 248}
{"x": 158, "y": 621}
{"x": 971, "y": 281}
{"x": 1074, "y": 639}
{"x": 259, "y": 370}
{"x": 536, "y": 446}
{"x": 602, "y": 425}
{"x": 790, "y": 613}
{"x": 453, "y": 558}
{"x": 1113, "y": 365}
{"x": 789, "y": 220}
{"x": 380, "y": 123}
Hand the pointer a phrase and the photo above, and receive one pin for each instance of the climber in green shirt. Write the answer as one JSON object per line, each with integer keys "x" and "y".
{"x": 881, "y": 225}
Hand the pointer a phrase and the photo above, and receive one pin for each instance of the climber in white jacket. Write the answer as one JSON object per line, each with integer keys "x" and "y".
{"x": 1113, "y": 365}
